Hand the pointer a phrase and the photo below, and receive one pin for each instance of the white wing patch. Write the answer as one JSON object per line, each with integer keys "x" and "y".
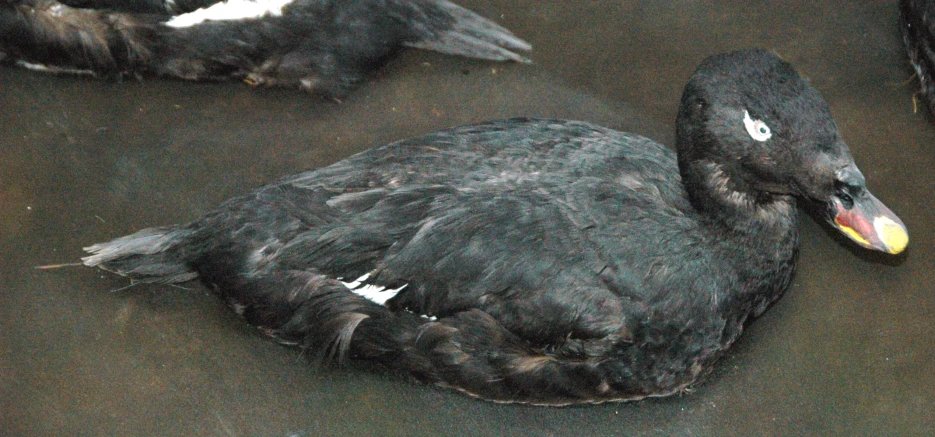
{"x": 374, "y": 293}
{"x": 230, "y": 10}
{"x": 757, "y": 129}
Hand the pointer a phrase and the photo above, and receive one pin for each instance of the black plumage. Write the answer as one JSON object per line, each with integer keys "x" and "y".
{"x": 171, "y": 7}
{"x": 324, "y": 46}
{"x": 542, "y": 261}
{"x": 918, "y": 32}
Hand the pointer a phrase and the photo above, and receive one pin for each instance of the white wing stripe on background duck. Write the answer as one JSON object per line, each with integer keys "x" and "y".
{"x": 230, "y": 10}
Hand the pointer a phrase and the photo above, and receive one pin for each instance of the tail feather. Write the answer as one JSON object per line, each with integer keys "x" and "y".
{"x": 474, "y": 36}
{"x": 149, "y": 255}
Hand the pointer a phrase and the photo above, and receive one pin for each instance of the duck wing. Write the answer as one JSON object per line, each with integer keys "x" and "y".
{"x": 492, "y": 216}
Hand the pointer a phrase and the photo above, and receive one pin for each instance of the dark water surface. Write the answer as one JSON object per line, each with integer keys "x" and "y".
{"x": 849, "y": 351}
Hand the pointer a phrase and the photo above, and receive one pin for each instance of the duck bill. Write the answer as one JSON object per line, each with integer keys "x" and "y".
{"x": 870, "y": 224}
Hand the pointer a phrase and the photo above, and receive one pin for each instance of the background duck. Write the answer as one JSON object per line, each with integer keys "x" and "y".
{"x": 317, "y": 45}
{"x": 534, "y": 260}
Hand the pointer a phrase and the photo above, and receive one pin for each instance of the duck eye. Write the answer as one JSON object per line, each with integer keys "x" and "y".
{"x": 757, "y": 129}
{"x": 847, "y": 201}
{"x": 846, "y": 193}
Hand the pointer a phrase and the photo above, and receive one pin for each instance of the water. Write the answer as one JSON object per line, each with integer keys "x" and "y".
{"x": 849, "y": 351}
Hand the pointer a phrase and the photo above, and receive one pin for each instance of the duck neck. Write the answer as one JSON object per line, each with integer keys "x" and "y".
{"x": 755, "y": 230}
{"x": 733, "y": 205}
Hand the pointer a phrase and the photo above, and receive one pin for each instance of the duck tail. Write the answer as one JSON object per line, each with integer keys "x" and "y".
{"x": 150, "y": 255}
{"x": 468, "y": 34}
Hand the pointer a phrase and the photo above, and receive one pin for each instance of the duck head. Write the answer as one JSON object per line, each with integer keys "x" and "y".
{"x": 752, "y": 135}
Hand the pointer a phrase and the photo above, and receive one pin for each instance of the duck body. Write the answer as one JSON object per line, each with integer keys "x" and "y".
{"x": 529, "y": 260}
{"x": 323, "y": 46}
{"x": 563, "y": 276}
{"x": 918, "y": 32}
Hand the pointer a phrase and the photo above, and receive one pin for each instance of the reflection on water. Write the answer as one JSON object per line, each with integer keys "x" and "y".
{"x": 847, "y": 352}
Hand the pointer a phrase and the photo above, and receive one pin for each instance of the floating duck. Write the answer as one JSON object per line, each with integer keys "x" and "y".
{"x": 540, "y": 261}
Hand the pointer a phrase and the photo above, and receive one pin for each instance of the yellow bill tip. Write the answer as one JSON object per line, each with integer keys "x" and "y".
{"x": 892, "y": 234}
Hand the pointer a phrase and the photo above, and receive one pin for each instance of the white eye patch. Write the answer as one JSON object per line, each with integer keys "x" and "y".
{"x": 757, "y": 129}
